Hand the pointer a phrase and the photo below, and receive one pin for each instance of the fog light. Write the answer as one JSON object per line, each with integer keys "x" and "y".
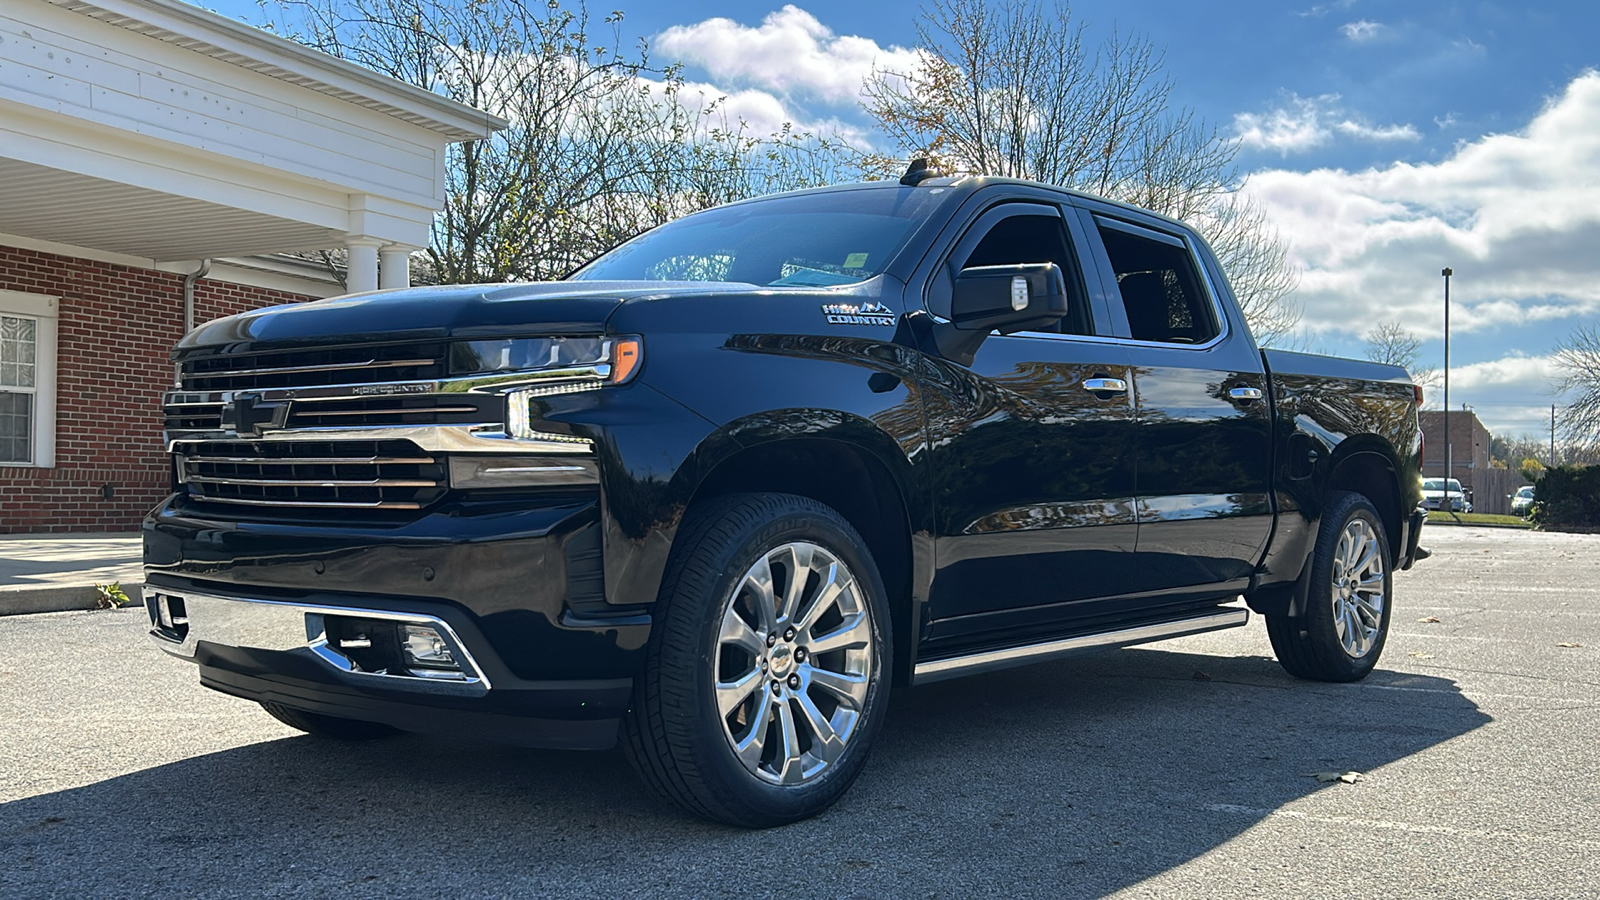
{"x": 425, "y": 648}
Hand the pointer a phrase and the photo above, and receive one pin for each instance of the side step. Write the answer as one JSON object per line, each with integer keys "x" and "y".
{"x": 990, "y": 660}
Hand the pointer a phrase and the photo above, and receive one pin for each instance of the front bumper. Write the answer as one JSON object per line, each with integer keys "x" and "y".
{"x": 279, "y": 650}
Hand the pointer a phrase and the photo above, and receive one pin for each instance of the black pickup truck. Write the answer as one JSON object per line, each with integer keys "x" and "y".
{"x": 719, "y": 490}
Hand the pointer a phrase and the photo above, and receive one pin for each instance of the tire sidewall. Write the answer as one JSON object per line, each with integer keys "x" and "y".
{"x": 1320, "y": 628}
{"x": 818, "y": 524}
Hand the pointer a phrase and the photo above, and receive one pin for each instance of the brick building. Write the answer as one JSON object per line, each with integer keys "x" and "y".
{"x": 1469, "y": 452}
{"x": 155, "y": 158}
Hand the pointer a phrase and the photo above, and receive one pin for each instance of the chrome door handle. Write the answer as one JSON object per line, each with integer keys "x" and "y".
{"x": 1099, "y": 385}
{"x": 1244, "y": 394}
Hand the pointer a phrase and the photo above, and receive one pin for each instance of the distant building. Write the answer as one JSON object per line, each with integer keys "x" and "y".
{"x": 156, "y": 160}
{"x": 1485, "y": 485}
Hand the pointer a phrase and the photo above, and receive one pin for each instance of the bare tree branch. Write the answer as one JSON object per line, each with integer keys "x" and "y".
{"x": 602, "y": 144}
{"x": 1577, "y": 362}
{"x": 1007, "y": 87}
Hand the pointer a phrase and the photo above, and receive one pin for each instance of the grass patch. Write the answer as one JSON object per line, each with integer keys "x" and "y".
{"x": 1440, "y": 516}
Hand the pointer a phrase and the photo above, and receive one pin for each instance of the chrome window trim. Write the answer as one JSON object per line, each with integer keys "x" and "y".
{"x": 1224, "y": 325}
{"x": 254, "y": 623}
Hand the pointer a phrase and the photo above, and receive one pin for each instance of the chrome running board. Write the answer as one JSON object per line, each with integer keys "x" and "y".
{"x": 989, "y": 660}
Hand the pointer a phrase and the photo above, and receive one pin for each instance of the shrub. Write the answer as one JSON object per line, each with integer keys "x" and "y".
{"x": 1568, "y": 496}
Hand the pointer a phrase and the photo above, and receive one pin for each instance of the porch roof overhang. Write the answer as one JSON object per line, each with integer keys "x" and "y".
{"x": 163, "y": 131}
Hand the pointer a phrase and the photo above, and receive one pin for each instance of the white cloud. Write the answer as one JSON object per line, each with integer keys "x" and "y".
{"x": 1321, "y": 9}
{"x": 790, "y": 52}
{"x": 1516, "y": 215}
{"x": 1365, "y": 132}
{"x": 1362, "y": 30}
{"x": 1511, "y": 395}
{"x": 1305, "y": 123}
{"x": 758, "y": 112}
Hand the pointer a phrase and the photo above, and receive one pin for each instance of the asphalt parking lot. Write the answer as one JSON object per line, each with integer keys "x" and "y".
{"x": 1181, "y": 769}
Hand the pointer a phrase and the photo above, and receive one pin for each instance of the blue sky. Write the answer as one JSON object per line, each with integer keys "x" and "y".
{"x": 1386, "y": 140}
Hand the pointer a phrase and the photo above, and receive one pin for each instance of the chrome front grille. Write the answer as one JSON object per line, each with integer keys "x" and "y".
{"x": 353, "y": 412}
{"x": 382, "y": 474}
{"x": 314, "y": 367}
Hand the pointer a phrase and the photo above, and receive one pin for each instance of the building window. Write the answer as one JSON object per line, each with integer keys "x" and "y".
{"x": 27, "y": 379}
{"x": 19, "y": 346}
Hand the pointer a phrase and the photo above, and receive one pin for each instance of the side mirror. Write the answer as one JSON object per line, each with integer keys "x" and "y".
{"x": 1008, "y": 299}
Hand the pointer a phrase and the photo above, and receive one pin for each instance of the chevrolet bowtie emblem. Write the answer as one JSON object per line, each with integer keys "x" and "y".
{"x": 245, "y": 414}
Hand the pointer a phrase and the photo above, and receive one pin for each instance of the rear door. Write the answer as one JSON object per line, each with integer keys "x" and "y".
{"x": 1203, "y": 434}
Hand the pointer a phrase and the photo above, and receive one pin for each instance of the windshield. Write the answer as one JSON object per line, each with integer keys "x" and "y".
{"x": 1525, "y": 491}
{"x": 1432, "y": 484}
{"x": 811, "y": 240}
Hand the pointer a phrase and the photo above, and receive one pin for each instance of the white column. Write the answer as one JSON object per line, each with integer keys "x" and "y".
{"x": 394, "y": 269}
{"x": 362, "y": 273}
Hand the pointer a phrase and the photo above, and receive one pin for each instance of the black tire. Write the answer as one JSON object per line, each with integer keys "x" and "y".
{"x": 319, "y": 725}
{"x": 675, "y": 735}
{"x": 1311, "y": 645}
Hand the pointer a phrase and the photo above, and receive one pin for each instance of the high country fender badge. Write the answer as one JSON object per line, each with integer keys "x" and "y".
{"x": 871, "y": 313}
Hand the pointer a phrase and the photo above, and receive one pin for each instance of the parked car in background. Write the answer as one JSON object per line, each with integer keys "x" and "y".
{"x": 1522, "y": 500}
{"x": 1437, "y": 495}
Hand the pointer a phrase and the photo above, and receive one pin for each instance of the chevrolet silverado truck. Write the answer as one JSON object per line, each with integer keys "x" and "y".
{"x": 714, "y": 494}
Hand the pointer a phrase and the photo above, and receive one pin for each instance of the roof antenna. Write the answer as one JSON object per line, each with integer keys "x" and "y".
{"x": 917, "y": 172}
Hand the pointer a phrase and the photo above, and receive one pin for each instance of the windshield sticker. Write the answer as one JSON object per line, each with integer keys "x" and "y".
{"x": 855, "y": 261}
{"x": 871, "y": 313}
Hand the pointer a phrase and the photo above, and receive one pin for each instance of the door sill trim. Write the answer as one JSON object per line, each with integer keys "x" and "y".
{"x": 1005, "y": 658}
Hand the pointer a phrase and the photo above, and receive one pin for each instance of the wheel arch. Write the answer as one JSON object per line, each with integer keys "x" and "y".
{"x": 856, "y": 482}
{"x": 1370, "y": 468}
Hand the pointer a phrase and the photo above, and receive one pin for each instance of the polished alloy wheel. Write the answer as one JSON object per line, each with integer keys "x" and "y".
{"x": 793, "y": 663}
{"x": 1358, "y": 596}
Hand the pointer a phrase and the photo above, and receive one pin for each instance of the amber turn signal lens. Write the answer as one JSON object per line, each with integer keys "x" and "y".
{"x": 625, "y": 359}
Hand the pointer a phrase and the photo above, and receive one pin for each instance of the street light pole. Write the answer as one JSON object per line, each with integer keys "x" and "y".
{"x": 1448, "y": 462}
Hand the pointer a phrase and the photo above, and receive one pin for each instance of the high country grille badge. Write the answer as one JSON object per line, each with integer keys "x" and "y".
{"x": 872, "y": 313}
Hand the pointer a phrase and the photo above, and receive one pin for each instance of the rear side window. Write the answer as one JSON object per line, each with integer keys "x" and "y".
{"x": 1160, "y": 285}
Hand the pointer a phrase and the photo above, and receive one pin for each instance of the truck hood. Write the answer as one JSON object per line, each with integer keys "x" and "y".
{"x": 431, "y": 313}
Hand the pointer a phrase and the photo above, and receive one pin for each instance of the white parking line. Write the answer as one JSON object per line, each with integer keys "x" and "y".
{"x": 1564, "y": 839}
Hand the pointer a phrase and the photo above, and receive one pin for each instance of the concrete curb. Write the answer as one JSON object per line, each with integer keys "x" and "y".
{"x": 19, "y": 601}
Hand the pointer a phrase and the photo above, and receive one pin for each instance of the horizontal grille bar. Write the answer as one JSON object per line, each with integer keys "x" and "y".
{"x": 329, "y": 460}
{"x": 365, "y": 474}
{"x": 331, "y": 367}
{"x": 387, "y": 412}
{"x": 309, "y": 482}
{"x": 313, "y": 367}
{"x": 321, "y": 504}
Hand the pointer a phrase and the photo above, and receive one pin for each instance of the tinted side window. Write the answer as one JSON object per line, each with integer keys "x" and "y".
{"x": 1036, "y": 239}
{"x": 1160, "y": 288}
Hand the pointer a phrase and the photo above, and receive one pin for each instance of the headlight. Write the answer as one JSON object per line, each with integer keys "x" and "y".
{"x": 527, "y": 354}
{"x": 588, "y": 361}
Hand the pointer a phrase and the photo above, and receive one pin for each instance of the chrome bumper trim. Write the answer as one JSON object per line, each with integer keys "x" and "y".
{"x": 938, "y": 669}
{"x": 427, "y": 438}
{"x": 250, "y": 623}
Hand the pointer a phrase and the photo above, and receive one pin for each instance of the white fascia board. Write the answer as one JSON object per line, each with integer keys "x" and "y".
{"x": 57, "y": 65}
{"x": 270, "y": 272}
{"x": 128, "y": 158}
{"x": 206, "y": 32}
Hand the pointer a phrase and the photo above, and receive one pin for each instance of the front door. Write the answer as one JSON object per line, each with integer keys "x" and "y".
{"x": 1032, "y": 446}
